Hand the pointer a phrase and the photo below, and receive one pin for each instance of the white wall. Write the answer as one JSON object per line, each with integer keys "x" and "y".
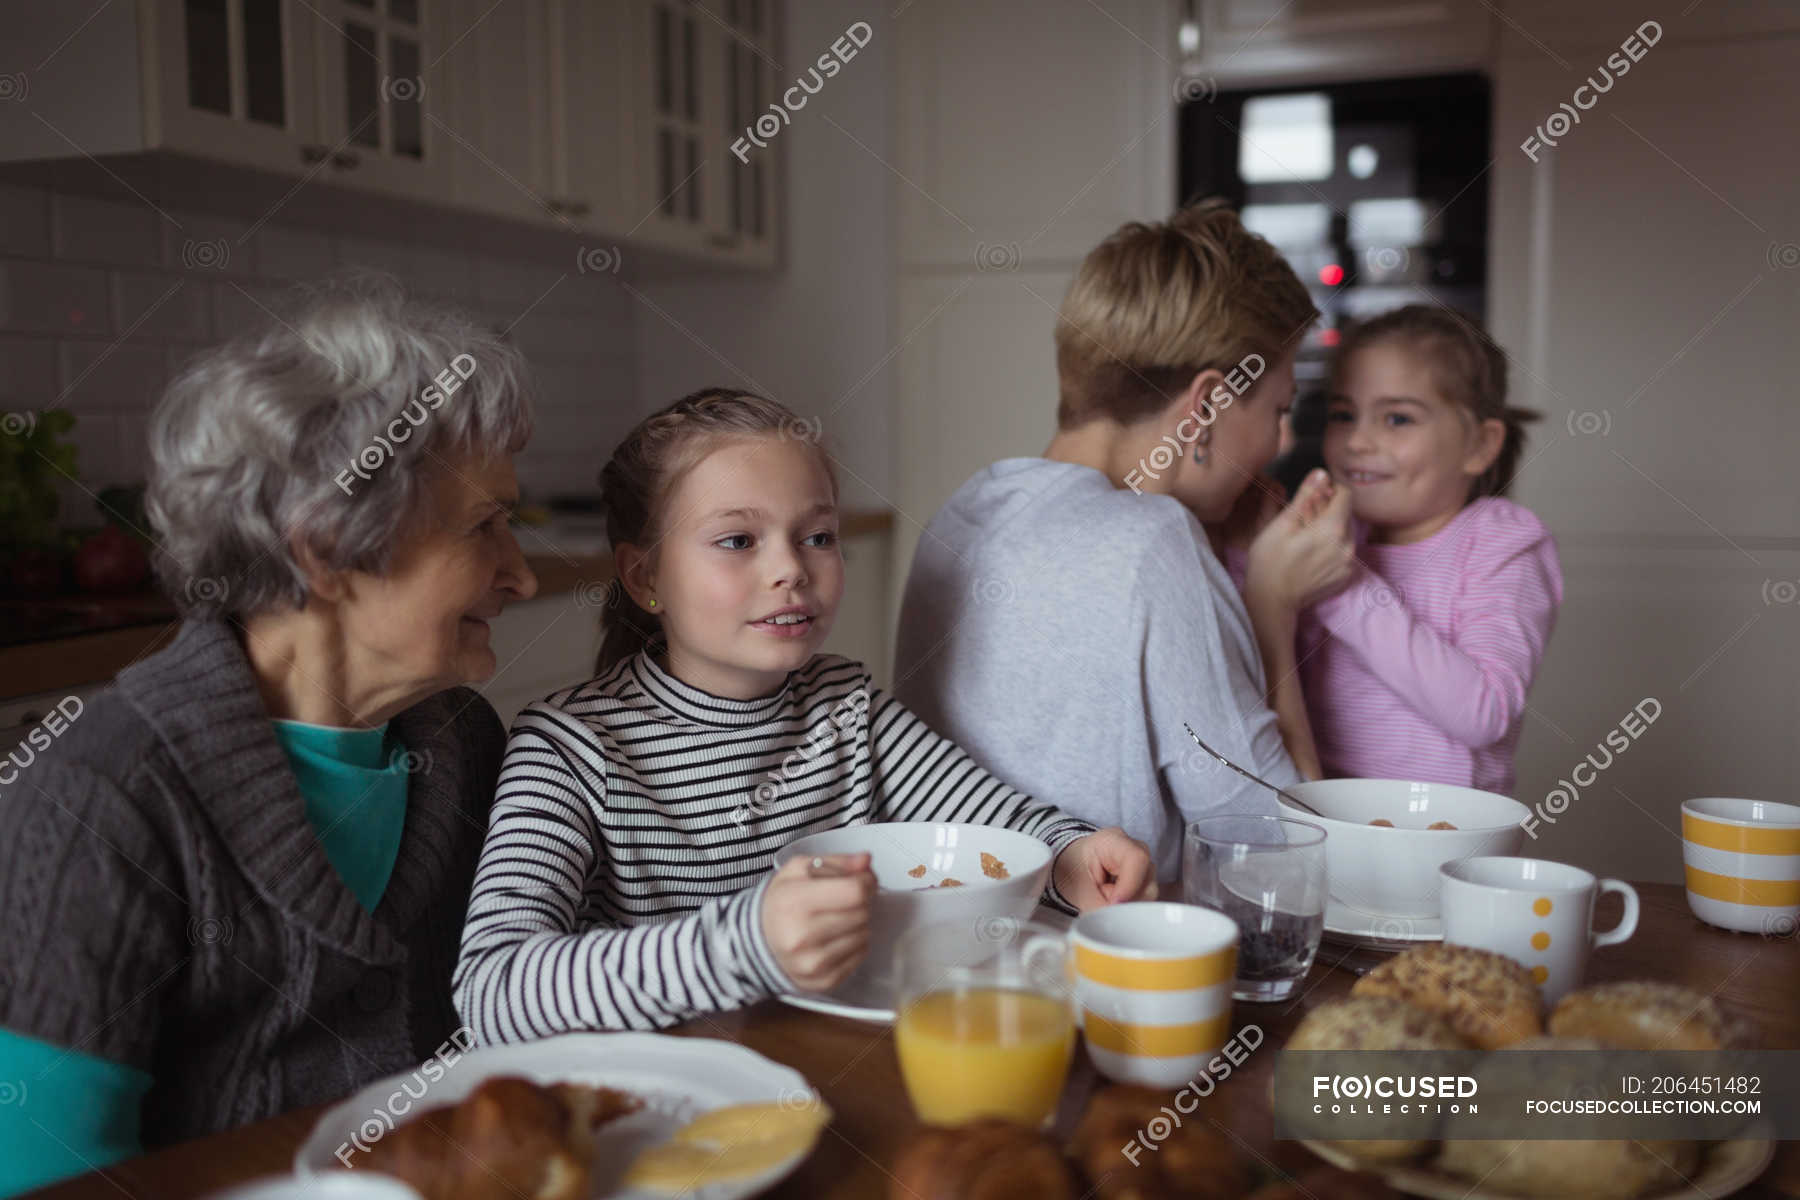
{"x": 1025, "y": 136}
{"x": 1642, "y": 284}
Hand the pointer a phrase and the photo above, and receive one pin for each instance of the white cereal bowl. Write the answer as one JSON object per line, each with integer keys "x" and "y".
{"x": 1394, "y": 872}
{"x": 906, "y": 900}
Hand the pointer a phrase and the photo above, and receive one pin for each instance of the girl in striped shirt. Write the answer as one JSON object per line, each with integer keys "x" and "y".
{"x": 625, "y": 881}
{"x": 1420, "y": 667}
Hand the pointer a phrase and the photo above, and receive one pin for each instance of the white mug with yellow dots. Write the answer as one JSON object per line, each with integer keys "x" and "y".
{"x": 1537, "y": 912}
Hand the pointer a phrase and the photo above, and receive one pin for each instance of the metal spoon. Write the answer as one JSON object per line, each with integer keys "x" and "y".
{"x": 1285, "y": 795}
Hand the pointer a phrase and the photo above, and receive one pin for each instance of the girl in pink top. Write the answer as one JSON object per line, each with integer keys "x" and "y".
{"x": 1419, "y": 669}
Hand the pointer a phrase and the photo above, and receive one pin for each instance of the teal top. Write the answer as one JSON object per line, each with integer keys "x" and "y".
{"x": 354, "y": 785}
{"x": 63, "y": 1112}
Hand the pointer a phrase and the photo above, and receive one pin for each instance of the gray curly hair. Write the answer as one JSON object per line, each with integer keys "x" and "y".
{"x": 320, "y": 431}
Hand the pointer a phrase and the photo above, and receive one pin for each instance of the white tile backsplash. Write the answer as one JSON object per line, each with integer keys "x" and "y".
{"x": 284, "y": 253}
{"x": 110, "y": 376}
{"x": 77, "y": 272}
{"x": 161, "y": 305}
{"x": 48, "y": 297}
{"x": 108, "y": 231}
{"x": 24, "y": 222}
{"x": 27, "y": 373}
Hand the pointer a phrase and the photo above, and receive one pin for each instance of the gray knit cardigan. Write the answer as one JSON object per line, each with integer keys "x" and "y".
{"x": 164, "y": 903}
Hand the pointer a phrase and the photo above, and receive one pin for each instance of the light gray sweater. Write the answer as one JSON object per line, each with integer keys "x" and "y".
{"x": 1061, "y": 630}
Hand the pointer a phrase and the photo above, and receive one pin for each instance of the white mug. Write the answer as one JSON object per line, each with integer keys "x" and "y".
{"x": 1534, "y": 911}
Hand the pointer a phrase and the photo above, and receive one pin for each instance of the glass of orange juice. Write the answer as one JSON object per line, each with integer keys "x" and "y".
{"x": 986, "y": 1023}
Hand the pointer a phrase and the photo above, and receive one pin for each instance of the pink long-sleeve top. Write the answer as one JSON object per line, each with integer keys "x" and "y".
{"x": 1420, "y": 668}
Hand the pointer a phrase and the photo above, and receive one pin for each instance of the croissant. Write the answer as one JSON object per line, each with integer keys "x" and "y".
{"x": 509, "y": 1139}
{"x": 986, "y": 1160}
{"x": 1190, "y": 1162}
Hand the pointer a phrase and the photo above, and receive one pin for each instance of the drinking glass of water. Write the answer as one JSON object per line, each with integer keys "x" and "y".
{"x": 1268, "y": 875}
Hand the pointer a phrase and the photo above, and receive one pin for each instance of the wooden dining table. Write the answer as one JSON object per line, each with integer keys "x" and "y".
{"x": 852, "y": 1065}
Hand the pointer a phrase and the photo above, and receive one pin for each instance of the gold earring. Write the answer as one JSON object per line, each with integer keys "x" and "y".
{"x": 653, "y": 602}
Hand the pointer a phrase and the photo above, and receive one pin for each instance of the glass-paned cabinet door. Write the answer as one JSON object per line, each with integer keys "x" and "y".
{"x": 379, "y": 95}
{"x": 749, "y": 171}
{"x": 235, "y": 81}
{"x": 677, "y": 185}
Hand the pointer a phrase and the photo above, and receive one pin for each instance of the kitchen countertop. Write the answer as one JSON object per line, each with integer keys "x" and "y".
{"x": 78, "y": 641}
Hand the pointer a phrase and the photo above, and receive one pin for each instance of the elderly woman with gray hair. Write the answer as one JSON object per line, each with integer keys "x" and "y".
{"x": 236, "y": 885}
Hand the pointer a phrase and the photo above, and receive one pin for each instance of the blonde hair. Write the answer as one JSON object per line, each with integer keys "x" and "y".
{"x": 1153, "y": 305}
{"x": 644, "y": 469}
{"x": 1468, "y": 367}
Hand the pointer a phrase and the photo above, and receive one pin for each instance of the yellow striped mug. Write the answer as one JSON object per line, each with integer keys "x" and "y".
{"x": 1153, "y": 980}
{"x": 1743, "y": 864}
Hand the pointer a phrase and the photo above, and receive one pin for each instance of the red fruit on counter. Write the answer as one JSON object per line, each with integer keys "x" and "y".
{"x": 111, "y": 561}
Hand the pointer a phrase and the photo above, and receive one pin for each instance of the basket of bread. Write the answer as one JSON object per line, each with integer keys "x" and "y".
{"x": 1442, "y": 997}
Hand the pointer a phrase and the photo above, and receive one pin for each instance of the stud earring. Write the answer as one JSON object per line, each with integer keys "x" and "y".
{"x": 653, "y": 602}
{"x": 1199, "y": 454}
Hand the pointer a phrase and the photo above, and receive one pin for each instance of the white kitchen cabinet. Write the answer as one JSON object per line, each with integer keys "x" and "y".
{"x": 609, "y": 119}
{"x": 235, "y": 79}
{"x": 332, "y": 88}
{"x": 497, "y": 125}
{"x": 702, "y": 77}
{"x": 593, "y": 110}
{"x": 378, "y": 92}
{"x": 1269, "y": 42}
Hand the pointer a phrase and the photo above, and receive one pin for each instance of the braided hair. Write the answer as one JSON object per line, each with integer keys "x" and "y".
{"x": 643, "y": 472}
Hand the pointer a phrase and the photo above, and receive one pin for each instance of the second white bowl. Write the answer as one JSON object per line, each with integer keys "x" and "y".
{"x": 1393, "y": 872}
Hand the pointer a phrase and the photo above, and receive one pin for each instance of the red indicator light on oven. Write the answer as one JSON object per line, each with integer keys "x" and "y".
{"x": 1331, "y": 275}
{"x": 1328, "y": 337}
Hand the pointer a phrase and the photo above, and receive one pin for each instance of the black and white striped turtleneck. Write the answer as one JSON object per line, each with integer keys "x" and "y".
{"x": 638, "y": 818}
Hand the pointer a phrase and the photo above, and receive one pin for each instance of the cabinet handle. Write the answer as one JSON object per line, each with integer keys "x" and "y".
{"x": 314, "y": 154}
{"x": 577, "y": 208}
{"x": 344, "y": 160}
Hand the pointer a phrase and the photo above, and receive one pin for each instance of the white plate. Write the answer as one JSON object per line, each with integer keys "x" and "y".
{"x": 840, "y": 1006}
{"x": 1354, "y": 927}
{"x": 677, "y": 1078}
{"x": 1726, "y": 1167}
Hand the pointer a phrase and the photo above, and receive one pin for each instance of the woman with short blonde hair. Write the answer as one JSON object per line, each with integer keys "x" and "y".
{"x": 1067, "y": 614}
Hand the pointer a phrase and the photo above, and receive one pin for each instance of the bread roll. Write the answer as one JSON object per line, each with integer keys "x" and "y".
{"x": 1191, "y": 1161}
{"x": 1640, "y": 1015}
{"x": 1489, "y": 999}
{"x": 1375, "y": 1023}
{"x": 989, "y": 1159}
{"x": 1603, "y": 1170}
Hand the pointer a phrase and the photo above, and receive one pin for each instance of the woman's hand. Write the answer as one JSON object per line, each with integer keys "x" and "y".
{"x": 1106, "y": 867}
{"x": 816, "y": 919}
{"x": 1306, "y": 553}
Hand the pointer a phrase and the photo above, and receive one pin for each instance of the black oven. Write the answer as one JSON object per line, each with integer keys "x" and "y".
{"x": 1375, "y": 191}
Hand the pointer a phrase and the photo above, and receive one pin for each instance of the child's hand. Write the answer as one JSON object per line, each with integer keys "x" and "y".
{"x": 1106, "y": 867}
{"x": 1306, "y": 553}
{"x": 816, "y": 919}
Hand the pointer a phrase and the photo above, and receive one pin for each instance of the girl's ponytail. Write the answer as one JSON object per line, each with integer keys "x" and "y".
{"x": 641, "y": 472}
